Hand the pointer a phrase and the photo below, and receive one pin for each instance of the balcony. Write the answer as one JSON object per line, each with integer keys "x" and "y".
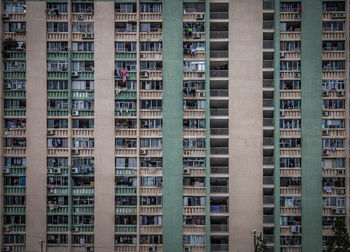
{"x": 218, "y": 247}
{"x": 268, "y": 200}
{"x": 219, "y": 150}
{"x": 218, "y": 228}
{"x": 218, "y": 112}
{"x": 219, "y": 209}
{"x": 268, "y": 180}
{"x": 218, "y": 34}
{"x": 219, "y": 170}
{"x": 219, "y": 131}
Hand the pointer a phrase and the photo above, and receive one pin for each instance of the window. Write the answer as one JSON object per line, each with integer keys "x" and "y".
{"x": 333, "y": 45}
{"x": 83, "y": 7}
{"x": 194, "y": 66}
{"x": 290, "y": 46}
{"x": 151, "y": 220}
{"x": 15, "y": 85}
{"x": 289, "y": 84}
{"x": 194, "y": 239}
{"x": 125, "y": 104}
{"x": 125, "y": 27}
{"x": 151, "y": 143}
{"x": 151, "y": 65}
{"x": 14, "y": 181}
{"x": 15, "y": 66}
{"x": 125, "y": 46}
{"x": 151, "y": 239}
{"x": 150, "y": 200}
{"x": 57, "y": 143}
{"x": 83, "y": 219}
{"x": 128, "y": 85}
{"x": 125, "y": 8}
{"x": 83, "y": 239}
{"x": 125, "y": 239}
{"x": 151, "y": 123}
{"x": 128, "y": 65}
{"x": 125, "y": 142}
{"x": 290, "y": 201}
{"x": 290, "y": 142}
{"x": 333, "y": 85}
{"x": 194, "y": 201}
{"x": 151, "y": 27}
{"x": 57, "y": 219}
{"x": 14, "y": 26}
{"x": 290, "y": 65}
{"x": 83, "y": 46}
{"x": 194, "y": 104}
{"x": 151, "y": 85}
{"x": 194, "y": 162}
{"x": 194, "y": 220}
{"x": 82, "y": 142}
{"x": 57, "y": 27}
{"x": 333, "y": 143}
{"x": 333, "y": 65}
{"x": 15, "y": 123}
{"x": 194, "y": 7}
{"x": 83, "y": 104}
{"x": 290, "y": 104}
{"x": 14, "y": 219}
{"x": 125, "y": 201}
{"x": 198, "y": 85}
{"x": 60, "y": 7}
{"x": 152, "y": 162}
{"x": 15, "y": 200}
{"x": 57, "y": 104}
{"x": 57, "y": 238}
{"x": 333, "y": 6}
{"x": 193, "y": 181}
{"x": 83, "y": 162}
{"x": 334, "y": 26}
{"x": 57, "y": 65}
{"x": 15, "y": 142}
{"x": 57, "y": 123}
{"x": 57, "y": 162}
{"x": 15, "y": 7}
{"x": 151, "y": 181}
{"x": 125, "y": 181}
{"x": 126, "y": 163}
{"x": 333, "y": 123}
{"x": 83, "y": 123}
{"x": 333, "y": 163}
{"x": 83, "y": 85}
{"x": 15, "y": 104}
{"x": 290, "y": 162}
{"x": 290, "y": 124}
{"x": 290, "y": 240}
{"x": 196, "y": 26}
{"x": 57, "y": 46}
{"x": 334, "y": 201}
{"x": 14, "y": 238}
{"x": 82, "y": 66}
{"x": 151, "y": 104}
{"x": 150, "y": 7}
{"x": 290, "y": 26}
{"x": 83, "y": 200}
{"x": 83, "y": 27}
{"x": 194, "y": 142}
{"x": 289, "y": 7}
{"x": 150, "y": 46}
{"x": 333, "y": 104}
{"x": 57, "y": 84}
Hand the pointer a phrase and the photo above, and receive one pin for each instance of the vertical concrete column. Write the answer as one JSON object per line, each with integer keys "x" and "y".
{"x": 245, "y": 111}
{"x": 104, "y": 126}
{"x": 172, "y": 126}
{"x": 36, "y": 125}
{"x": 311, "y": 125}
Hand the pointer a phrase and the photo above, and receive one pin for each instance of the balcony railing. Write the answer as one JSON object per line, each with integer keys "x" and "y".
{"x": 268, "y": 219}
{"x": 218, "y": 54}
{"x": 218, "y": 73}
{"x": 268, "y": 200}
{"x": 268, "y": 180}
{"x": 218, "y": 170}
{"x": 268, "y": 64}
{"x": 218, "y": 228}
{"x": 218, "y": 112}
{"x": 267, "y": 102}
{"x": 219, "y": 189}
{"x": 268, "y": 161}
{"x": 268, "y": 5}
{"x": 268, "y": 24}
{"x": 218, "y": 34}
{"x": 219, "y": 209}
{"x": 268, "y": 44}
{"x": 219, "y": 92}
{"x": 268, "y": 141}
{"x": 219, "y": 131}
{"x": 219, "y": 247}
{"x": 268, "y": 122}
{"x": 219, "y": 150}
{"x": 218, "y": 15}
{"x": 268, "y": 83}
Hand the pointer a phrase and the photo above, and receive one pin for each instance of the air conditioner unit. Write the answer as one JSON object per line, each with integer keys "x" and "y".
{"x": 6, "y": 171}
{"x": 75, "y": 74}
{"x": 75, "y": 152}
{"x": 297, "y": 75}
{"x": 80, "y": 17}
{"x": 325, "y": 132}
{"x": 75, "y": 170}
{"x": 340, "y": 93}
{"x": 341, "y": 172}
{"x": 75, "y": 113}
{"x": 197, "y": 36}
{"x": 281, "y": 54}
{"x": 282, "y": 113}
{"x": 50, "y": 132}
{"x": 50, "y": 237}
{"x": 187, "y": 249}
{"x": 144, "y": 74}
{"x": 6, "y": 229}
{"x": 325, "y": 152}
{"x": 200, "y": 16}
{"x": 281, "y": 75}
{"x": 7, "y": 248}
{"x": 5, "y": 16}
{"x": 341, "y": 192}
{"x": 187, "y": 171}
{"x": 57, "y": 171}
{"x": 49, "y": 171}
{"x": 147, "y": 158}
{"x": 143, "y": 152}
{"x": 325, "y": 93}
{"x": 325, "y": 113}
{"x": 75, "y": 229}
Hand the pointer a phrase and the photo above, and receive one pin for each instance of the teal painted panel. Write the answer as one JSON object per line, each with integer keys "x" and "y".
{"x": 311, "y": 121}
{"x": 172, "y": 126}
{"x": 276, "y": 117}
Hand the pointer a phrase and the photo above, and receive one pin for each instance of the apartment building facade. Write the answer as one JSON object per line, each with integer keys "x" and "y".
{"x": 173, "y": 125}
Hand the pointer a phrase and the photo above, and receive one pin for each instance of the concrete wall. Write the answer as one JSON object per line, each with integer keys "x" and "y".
{"x": 36, "y": 125}
{"x": 245, "y": 126}
{"x": 104, "y": 127}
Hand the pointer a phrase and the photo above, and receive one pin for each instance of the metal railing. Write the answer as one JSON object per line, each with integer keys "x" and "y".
{"x": 268, "y": 83}
{"x": 219, "y": 208}
{"x": 268, "y": 44}
{"x": 268, "y": 122}
{"x": 219, "y": 131}
{"x": 268, "y": 219}
{"x": 218, "y": 15}
{"x": 218, "y": 34}
{"x": 218, "y": 189}
{"x": 268, "y": 200}
{"x": 218, "y": 54}
{"x": 218, "y": 228}
{"x": 268, "y": 180}
{"x": 219, "y": 92}
{"x": 218, "y": 73}
{"x": 219, "y": 112}
{"x": 268, "y": 141}
{"x": 267, "y": 102}
{"x": 218, "y": 170}
{"x": 268, "y": 161}
{"x": 219, "y": 150}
